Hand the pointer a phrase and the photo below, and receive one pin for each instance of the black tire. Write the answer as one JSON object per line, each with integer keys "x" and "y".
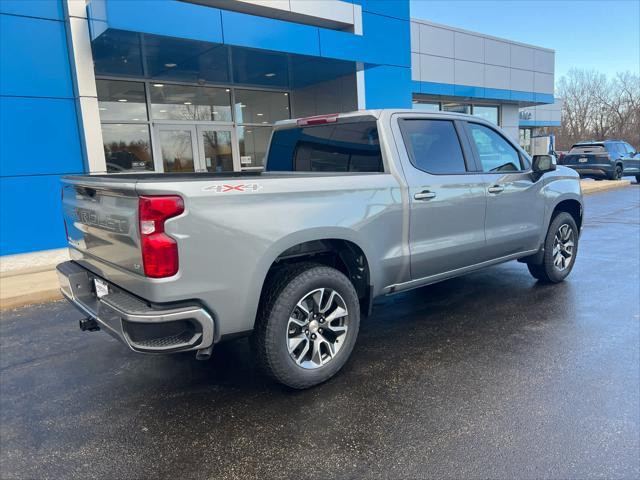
{"x": 617, "y": 173}
{"x": 282, "y": 294}
{"x": 637, "y": 178}
{"x": 547, "y": 271}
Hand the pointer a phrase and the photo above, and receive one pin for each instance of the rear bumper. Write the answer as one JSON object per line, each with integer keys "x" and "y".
{"x": 142, "y": 327}
{"x": 592, "y": 170}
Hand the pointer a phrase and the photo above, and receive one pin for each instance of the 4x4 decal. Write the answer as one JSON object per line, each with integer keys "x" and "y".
{"x": 242, "y": 187}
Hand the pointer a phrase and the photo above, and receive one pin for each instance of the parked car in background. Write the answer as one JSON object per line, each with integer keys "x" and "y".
{"x": 350, "y": 207}
{"x": 610, "y": 159}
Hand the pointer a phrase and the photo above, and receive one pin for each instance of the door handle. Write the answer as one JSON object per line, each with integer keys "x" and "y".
{"x": 425, "y": 195}
{"x": 496, "y": 189}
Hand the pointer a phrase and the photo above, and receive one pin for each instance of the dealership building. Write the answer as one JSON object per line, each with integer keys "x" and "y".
{"x": 195, "y": 85}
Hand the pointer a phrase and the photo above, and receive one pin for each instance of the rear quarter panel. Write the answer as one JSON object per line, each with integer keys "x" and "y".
{"x": 228, "y": 240}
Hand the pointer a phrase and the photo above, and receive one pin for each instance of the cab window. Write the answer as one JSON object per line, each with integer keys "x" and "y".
{"x": 495, "y": 152}
{"x": 433, "y": 146}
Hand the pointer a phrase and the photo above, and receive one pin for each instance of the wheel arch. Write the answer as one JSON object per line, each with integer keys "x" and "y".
{"x": 338, "y": 248}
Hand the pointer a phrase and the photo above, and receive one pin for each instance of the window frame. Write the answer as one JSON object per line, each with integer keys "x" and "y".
{"x": 525, "y": 166}
{"x": 467, "y": 156}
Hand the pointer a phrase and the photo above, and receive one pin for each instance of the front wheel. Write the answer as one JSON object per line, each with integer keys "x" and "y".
{"x": 307, "y": 325}
{"x": 560, "y": 250}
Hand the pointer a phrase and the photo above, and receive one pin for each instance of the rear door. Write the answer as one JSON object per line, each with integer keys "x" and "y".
{"x": 447, "y": 198}
{"x": 515, "y": 205}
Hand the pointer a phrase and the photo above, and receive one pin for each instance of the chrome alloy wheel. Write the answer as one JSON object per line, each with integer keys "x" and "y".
{"x": 317, "y": 328}
{"x": 563, "y": 245}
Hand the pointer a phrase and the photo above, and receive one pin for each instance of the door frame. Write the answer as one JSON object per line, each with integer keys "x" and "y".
{"x": 216, "y": 127}
{"x": 157, "y": 150}
{"x": 196, "y": 127}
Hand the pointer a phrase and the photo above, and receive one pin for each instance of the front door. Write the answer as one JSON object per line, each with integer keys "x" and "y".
{"x": 196, "y": 148}
{"x": 447, "y": 199}
{"x": 515, "y": 204}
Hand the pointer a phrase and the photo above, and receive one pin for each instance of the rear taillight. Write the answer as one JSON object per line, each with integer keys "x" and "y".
{"x": 159, "y": 250}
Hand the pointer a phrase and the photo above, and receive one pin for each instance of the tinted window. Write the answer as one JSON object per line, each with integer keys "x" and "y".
{"x": 127, "y": 147}
{"x": 496, "y": 154}
{"x": 181, "y": 102}
{"x": 338, "y": 147}
{"x": 433, "y": 146}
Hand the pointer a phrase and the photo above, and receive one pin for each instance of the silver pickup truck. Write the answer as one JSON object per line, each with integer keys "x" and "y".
{"x": 350, "y": 207}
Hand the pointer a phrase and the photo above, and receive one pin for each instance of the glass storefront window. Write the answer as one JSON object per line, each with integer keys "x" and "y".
{"x": 182, "y": 102}
{"x": 489, "y": 113}
{"x": 426, "y": 106}
{"x": 253, "y": 106}
{"x": 253, "y": 145}
{"x": 127, "y": 147}
{"x": 457, "y": 108}
{"x": 121, "y": 101}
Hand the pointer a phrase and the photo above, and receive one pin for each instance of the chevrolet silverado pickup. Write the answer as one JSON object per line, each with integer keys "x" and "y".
{"x": 350, "y": 207}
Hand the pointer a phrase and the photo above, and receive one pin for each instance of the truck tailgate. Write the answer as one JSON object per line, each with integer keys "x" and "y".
{"x": 101, "y": 220}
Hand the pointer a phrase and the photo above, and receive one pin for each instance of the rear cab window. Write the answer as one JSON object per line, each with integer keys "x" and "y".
{"x": 588, "y": 148}
{"x": 344, "y": 146}
{"x": 433, "y": 146}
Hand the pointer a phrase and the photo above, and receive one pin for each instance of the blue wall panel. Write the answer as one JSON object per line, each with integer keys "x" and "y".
{"x": 385, "y": 41}
{"x": 389, "y": 8}
{"x": 51, "y": 9}
{"x": 33, "y": 58}
{"x": 387, "y": 87}
{"x": 39, "y": 136}
{"x": 269, "y": 34}
{"x": 171, "y": 18}
{"x": 22, "y": 200}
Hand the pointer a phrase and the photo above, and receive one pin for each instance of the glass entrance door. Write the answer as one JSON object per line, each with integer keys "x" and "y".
{"x": 177, "y": 147}
{"x": 197, "y": 148}
{"x": 216, "y": 148}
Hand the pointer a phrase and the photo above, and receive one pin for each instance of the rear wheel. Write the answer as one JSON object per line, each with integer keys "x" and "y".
{"x": 307, "y": 325}
{"x": 560, "y": 250}
{"x": 617, "y": 173}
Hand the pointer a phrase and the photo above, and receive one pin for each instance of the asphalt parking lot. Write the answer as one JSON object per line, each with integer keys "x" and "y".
{"x": 486, "y": 376}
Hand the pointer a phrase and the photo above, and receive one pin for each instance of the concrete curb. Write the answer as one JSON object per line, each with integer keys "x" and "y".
{"x": 27, "y": 289}
{"x": 592, "y": 186}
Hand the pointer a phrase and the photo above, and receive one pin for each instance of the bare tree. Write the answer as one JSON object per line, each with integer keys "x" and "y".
{"x": 598, "y": 108}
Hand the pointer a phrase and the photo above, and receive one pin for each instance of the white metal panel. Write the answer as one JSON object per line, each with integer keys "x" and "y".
{"x": 521, "y": 57}
{"x": 544, "y": 61}
{"x": 542, "y": 82}
{"x": 415, "y": 37}
{"x": 521, "y": 80}
{"x": 469, "y": 73}
{"x": 497, "y": 52}
{"x": 415, "y": 66}
{"x": 497, "y": 77}
{"x": 333, "y": 10}
{"x": 468, "y": 47}
{"x": 436, "y": 41}
{"x": 436, "y": 69}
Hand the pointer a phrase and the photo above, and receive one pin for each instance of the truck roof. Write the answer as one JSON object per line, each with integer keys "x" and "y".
{"x": 371, "y": 114}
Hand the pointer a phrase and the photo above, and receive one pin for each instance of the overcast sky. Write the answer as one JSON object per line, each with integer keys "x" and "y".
{"x": 595, "y": 34}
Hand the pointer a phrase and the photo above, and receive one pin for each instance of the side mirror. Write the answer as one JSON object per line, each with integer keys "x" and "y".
{"x": 543, "y": 164}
